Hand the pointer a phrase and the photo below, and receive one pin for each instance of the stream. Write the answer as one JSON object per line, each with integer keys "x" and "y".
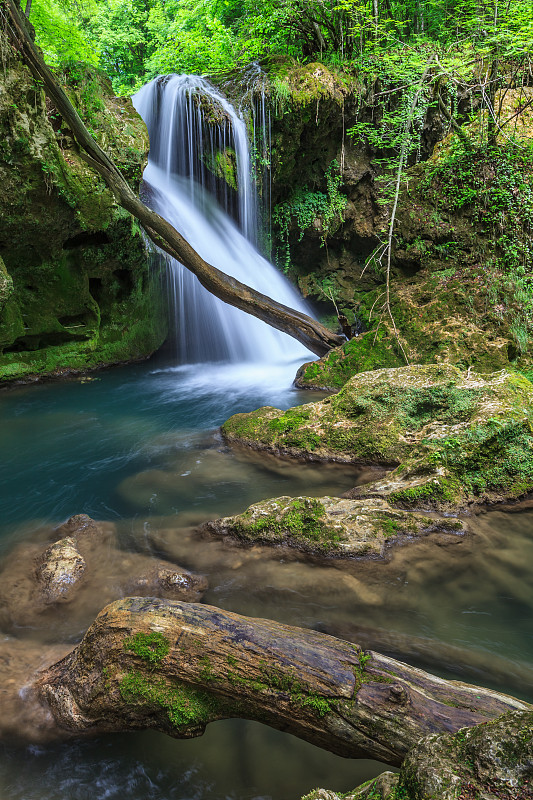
{"x": 139, "y": 447}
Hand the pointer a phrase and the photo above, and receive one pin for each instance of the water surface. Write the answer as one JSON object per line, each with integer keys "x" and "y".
{"x": 139, "y": 447}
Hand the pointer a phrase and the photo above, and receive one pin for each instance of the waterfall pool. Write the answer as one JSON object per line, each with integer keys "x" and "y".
{"x": 138, "y": 446}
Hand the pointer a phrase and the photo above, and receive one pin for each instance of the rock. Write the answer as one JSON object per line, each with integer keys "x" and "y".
{"x": 381, "y": 788}
{"x": 92, "y": 538}
{"x": 76, "y": 283}
{"x": 328, "y": 525}
{"x": 455, "y": 438}
{"x": 60, "y": 571}
{"x": 78, "y": 525}
{"x": 492, "y": 761}
{"x": 165, "y": 580}
{"x": 322, "y": 794}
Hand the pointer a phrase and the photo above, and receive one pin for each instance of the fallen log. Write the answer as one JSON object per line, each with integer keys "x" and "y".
{"x": 175, "y": 667}
{"x": 309, "y": 332}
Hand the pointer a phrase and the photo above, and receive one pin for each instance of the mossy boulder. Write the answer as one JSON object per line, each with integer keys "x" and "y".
{"x": 440, "y": 317}
{"x": 492, "y": 761}
{"x": 454, "y": 438}
{"x": 77, "y": 289}
{"x": 328, "y": 525}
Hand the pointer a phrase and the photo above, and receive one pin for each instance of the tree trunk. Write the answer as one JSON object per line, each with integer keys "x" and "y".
{"x": 175, "y": 667}
{"x": 312, "y": 334}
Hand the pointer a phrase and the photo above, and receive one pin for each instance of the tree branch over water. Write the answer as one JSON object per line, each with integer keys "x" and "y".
{"x": 175, "y": 667}
{"x": 309, "y": 332}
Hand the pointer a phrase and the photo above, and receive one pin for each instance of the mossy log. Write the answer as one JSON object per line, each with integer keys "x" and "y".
{"x": 175, "y": 667}
{"x": 309, "y": 332}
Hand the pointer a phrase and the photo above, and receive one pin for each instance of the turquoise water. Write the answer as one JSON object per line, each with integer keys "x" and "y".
{"x": 139, "y": 446}
{"x": 70, "y": 446}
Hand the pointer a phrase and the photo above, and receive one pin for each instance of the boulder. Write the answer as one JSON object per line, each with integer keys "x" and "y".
{"x": 328, "y": 525}
{"x": 491, "y": 761}
{"x": 454, "y": 438}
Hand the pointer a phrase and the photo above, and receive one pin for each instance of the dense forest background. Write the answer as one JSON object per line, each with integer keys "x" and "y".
{"x": 134, "y": 40}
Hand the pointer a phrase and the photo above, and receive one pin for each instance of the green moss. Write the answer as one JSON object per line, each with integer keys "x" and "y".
{"x": 287, "y": 683}
{"x": 184, "y": 706}
{"x": 436, "y": 491}
{"x": 223, "y": 164}
{"x": 206, "y": 673}
{"x": 372, "y": 350}
{"x": 302, "y": 520}
{"x": 151, "y": 647}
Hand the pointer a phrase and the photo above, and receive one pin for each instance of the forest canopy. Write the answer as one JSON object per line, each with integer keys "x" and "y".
{"x": 135, "y": 40}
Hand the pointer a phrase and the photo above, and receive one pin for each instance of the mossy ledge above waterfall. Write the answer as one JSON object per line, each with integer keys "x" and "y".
{"x": 452, "y": 439}
{"x": 77, "y": 289}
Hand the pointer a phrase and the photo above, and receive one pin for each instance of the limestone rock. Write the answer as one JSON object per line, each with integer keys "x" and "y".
{"x": 165, "y": 580}
{"x": 493, "y": 761}
{"x": 329, "y": 525}
{"x": 60, "y": 571}
{"x": 455, "y": 438}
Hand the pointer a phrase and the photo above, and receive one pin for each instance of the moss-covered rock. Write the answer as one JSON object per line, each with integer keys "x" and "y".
{"x": 454, "y": 438}
{"x": 328, "y": 525}
{"x": 492, "y": 761}
{"x": 76, "y": 286}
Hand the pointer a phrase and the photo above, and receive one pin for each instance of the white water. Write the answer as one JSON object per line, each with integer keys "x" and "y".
{"x": 179, "y": 185}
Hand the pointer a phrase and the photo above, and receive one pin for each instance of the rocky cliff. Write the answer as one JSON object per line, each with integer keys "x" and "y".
{"x": 76, "y": 286}
{"x": 462, "y": 243}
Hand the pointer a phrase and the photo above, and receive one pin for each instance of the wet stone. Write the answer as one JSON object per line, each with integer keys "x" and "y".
{"x": 60, "y": 571}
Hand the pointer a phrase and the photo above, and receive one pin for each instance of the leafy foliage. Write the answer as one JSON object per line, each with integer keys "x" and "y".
{"x": 306, "y": 208}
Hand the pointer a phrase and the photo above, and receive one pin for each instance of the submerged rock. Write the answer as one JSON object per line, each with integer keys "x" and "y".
{"x": 328, "y": 525}
{"x": 58, "y": 589}
{"x": 455, "y": 438}
{"x": 60, "y": 571}
{"x": 164, "y": 580}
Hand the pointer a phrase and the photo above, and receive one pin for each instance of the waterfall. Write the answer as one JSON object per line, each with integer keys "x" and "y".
{"x": 199, "y": 178}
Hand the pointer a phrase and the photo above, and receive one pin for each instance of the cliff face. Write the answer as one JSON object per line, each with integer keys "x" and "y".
{"x": 76, "y": 287}
{"x": 462, "y": 240}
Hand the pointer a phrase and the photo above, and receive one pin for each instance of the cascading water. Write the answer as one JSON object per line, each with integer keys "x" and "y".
{"x": 198, "y": 149}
